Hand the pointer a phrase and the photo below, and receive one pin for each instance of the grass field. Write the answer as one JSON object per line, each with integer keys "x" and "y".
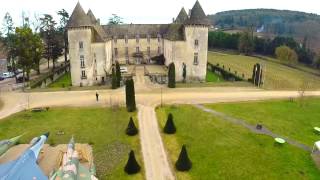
{"x": 220, "y": 150}
{"x": 280, "y": 116}
{"x": 278, "y": 76}
{"x": 101, "y": 127}
{"x": 62, "y": 82}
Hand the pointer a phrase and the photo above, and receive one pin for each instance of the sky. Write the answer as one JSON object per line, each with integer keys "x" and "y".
{"x": 143, "y": 11}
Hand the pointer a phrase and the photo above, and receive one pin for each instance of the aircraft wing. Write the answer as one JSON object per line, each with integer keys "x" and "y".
{"x": 29, "y": 170}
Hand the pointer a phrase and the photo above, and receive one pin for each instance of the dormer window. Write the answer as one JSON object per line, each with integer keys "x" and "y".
{"x": 80, "y": 45}
{"x": 115, "y": 39}
{"x": 148, "y": 38}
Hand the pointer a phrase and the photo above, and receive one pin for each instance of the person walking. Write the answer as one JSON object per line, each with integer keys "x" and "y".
{"x": 97, "y": 96}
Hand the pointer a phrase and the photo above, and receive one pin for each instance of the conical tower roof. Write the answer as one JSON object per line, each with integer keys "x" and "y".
{"x": 91, "y": 16}
{"x": 197, "y": 16}
{"x": 182, "y": 17}
{"x": 79, "y": 18}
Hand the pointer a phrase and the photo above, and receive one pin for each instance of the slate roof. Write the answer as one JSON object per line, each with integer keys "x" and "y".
{"x": 91, "y": 17}
{"x": 197, "y": 16}
{"x": 182, "y": 17}
{"x": 172, "y": 31}
{"x": 79, "y": 18}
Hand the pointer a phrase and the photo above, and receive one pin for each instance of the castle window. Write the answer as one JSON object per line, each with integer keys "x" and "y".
{"x": 116, "y": 52}
{"x": 148, "y": 51}
{"x": 83, "y": 74}
{"x": 80, "y": 45}
{"x": 126, "y": 39}
{"x": 82, "y": 61}
{"x": 195, "y": 60}
{"x": 159, "y": 49}
{"x": 137, "y": 50}
{"x": 137, "y": 38}
{"x": 148, "y": 38}
{"x": 159, "y": 36}
{"x": 196, "y": 42}
{"x": 127, "y": 51}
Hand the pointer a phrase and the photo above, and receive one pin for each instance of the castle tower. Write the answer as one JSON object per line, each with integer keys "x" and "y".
{"x": 80, "y": 37}
{"x": 182, "y": 16}
{"x": 196, "y": 34}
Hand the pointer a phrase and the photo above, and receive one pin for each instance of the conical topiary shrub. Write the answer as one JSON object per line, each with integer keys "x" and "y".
{"x": 169, "y": 128}
{"x": 183, "y": 163}
{"x": 131, "y": 129}
{"x": 132, "y": 166}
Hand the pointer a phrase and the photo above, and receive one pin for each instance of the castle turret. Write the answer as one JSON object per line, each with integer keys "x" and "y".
{"x": 182, "y": 17}
{"x": 80, "y": 35}
{"x": 196, "y": 34}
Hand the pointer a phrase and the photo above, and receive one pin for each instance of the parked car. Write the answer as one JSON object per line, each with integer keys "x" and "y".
{"x": 8, "y": 75}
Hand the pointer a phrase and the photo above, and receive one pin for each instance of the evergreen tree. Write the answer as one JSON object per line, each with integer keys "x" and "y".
{"x": 130, "y": 96}
{"x": 132, "y": 166}
{"x": 171, "y": 76}
{"x": 113, "y": 79}
{"x": 169, "y": 128}
{"x": 131, "y": 129}
{"x": 183, "y": 163}
{"x": 118, "y": 74}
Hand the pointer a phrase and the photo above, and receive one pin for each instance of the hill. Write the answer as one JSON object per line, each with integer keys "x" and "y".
{"x": 271, "y": 22}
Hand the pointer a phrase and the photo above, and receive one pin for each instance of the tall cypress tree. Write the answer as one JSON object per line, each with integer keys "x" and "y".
{"x": 132, "y": 166}
{"x": 171, "y": 76}
{"x": 118, "y": 74}
{"x": 114, "y": 79}
{"x": 183, "y": 163}
{"x": 130, "y": 96}
{"x": 131, "y": 129}
{"x": 169, "y": 128}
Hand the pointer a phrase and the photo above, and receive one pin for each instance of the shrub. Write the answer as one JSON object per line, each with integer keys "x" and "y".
{"x": 171, "y": 76}
{"x": 130, "y": 96}
{"x": 114, "y": 79}
{"x": 118, "y": 74}
{"x": 183, "y": 163}
{"x": 132, "y": 166}
{"x": 169, "y": 128}
{"x": 131, "y": 129}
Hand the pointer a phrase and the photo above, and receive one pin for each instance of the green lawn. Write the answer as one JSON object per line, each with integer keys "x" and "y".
{"x": 221, "y": 150}
{"x": 62, "y": 82}
{"x": 278, "y": 76}
{"x": 212, "y": 77}
{"x": 102, "y": 127}
{"x": 280, "y": 116}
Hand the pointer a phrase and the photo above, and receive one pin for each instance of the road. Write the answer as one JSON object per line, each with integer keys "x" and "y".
{"x": 148, "y": 96}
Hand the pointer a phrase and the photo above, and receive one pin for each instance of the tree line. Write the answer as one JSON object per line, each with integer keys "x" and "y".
{"x": 247, "y": 43}
{"x": 27, "y": 44}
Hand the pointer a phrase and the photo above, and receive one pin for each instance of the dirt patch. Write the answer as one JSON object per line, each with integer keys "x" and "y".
{"x": 50, "y": 157}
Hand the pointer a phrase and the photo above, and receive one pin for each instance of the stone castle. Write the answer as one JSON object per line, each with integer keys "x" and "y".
{"x": 94, "y": 48}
